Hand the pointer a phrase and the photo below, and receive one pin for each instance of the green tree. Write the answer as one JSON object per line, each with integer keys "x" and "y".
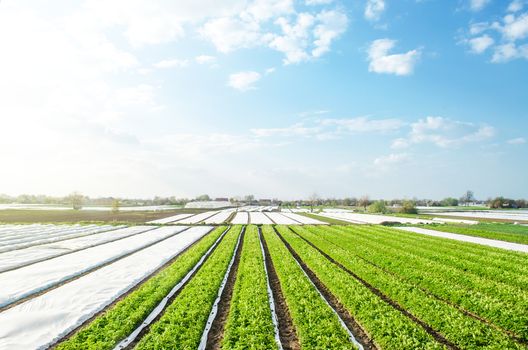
{"x": 115, "y": 206}
{"x": 203, "y": 197}
{"x": 377, "y": 207}
{"x": 408, "y": 207}
{"x": 449, "y": 202}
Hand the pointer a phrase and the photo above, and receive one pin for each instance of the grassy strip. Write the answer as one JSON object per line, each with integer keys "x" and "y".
{"x": 325, "y": 219}
{"x": 465, "y": 332}
{"x": 183, "y": 322}
{"x": 387, "y": 327}
{"x": 249, "y": 324}
{"x": 105, "y": 331}
{"x": 503, "y": 304}
{"x": 316, "y": 324}
{"x": 502, "y": 232}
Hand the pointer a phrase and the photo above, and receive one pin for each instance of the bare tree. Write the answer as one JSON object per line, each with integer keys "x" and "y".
{"x": 314, "y": 199}
{"x": 468, "y": 197}
{"x": 76, "y": 199}
{"x": 364, "y": 201}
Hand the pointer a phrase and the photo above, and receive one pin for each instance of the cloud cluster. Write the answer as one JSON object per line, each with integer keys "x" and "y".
{"x": 243, "y": 81}
{"x": 505, "y": 38}
{"x": 381, "y": 61}
{"x": 444, "y": 132}
{"x": 374, "y": 9}
{"x": 332, "y": 128}
{"x": 275, "y": 24}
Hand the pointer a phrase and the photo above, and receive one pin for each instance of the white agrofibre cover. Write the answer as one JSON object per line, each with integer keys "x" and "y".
{"x": 170, "y": 219}
{"x": 56, "y": 234}
{"x": 219, "y": 218}
{"x": 16, "y": 258}
{"x": 43, "y": 320}
{"x": 281, "y": 219}
{"x": 304, "y": 219}
{"x": 23, "y": 282}
{"x": 198, "y": 217}
{"x": 259, "y": 218}
{"x": 241, "y": 218}
{"x": 373, "y": 219}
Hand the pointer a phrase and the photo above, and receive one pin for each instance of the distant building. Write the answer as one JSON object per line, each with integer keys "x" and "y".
{"x": 221, "y": 199}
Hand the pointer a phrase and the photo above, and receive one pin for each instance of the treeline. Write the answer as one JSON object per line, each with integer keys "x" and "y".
{"x": 88, "y": 201}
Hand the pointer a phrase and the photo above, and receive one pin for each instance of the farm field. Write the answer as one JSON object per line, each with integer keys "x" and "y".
{"x": 497, "y": 215}
{"x": 265, "y": 287}
{"x": 502, "y": 232}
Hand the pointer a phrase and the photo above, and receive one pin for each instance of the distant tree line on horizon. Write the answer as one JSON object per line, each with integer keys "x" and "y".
{"x": 78, "y": 200}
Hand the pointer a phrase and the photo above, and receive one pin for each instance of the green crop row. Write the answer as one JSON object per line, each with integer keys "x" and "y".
{"x": 249, "y": 324}
{"x": 316, "y": 325}
{"x": 105, "y": 331}
{"x": 501, "y": 303}
{"x": 385, "y": 325}
{"x": 455, "y": 326}
{"x": 503, "y": 232}
{"x": 183, "y": 322}
{"x": 497, "y": 264}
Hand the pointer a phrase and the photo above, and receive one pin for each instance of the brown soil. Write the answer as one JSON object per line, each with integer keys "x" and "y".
{"x": 287, "y": 334}
{"x": 216, "y": 333}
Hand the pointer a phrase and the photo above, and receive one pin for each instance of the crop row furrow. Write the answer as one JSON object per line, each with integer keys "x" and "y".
{"x": 316, "y": 324}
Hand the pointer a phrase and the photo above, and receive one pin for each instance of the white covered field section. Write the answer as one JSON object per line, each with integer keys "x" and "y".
{"x": 243, "y": 215}
{"x": 46, "y": 294}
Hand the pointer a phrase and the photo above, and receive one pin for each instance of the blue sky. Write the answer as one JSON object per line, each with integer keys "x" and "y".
{"x": 277, "y": 98}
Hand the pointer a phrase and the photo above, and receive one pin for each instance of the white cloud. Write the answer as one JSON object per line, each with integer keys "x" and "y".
{"x": 228, "y": 34}
{"x": 301, "y": 35}
{"x": 509, "y": 32}
{"x": 374, "y": 9}
{"x": 517, "y": 141}
{"x": 383, "y": 62}
{"x": 205, "y": 59}
{"x": 480, "y": 44}
{"x": 243, "y": 81}
{"x": 331, "y": 25}
{"x": 516, "y": 5}
{"x": 515, "y": 28}
{"x": 364, "y": 124}
{"x": 171, "y": 63}
{"x": 391, "y": 159}
{"x": 507, "y": 52}
{"x": 331, "y": 128}
{"x": 477, "y": 5}
{"x": 444, "y": 132}
{"x": 318, "y": 2}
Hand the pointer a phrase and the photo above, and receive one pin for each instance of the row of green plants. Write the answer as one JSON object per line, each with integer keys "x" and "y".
{"x": 500, "y": 265}
{"x": 249, "y": 324}
{"x": 502, "y": 304}
{"x": 476, "y": 254}
{"x": 182, "y": 324}
{"x": 116, "y": 323}
{"x": 316, "y": 325}
{"x": 459, "y": 329}
{"x": 387, "y": 327}
{"x": 502, "y": 232}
